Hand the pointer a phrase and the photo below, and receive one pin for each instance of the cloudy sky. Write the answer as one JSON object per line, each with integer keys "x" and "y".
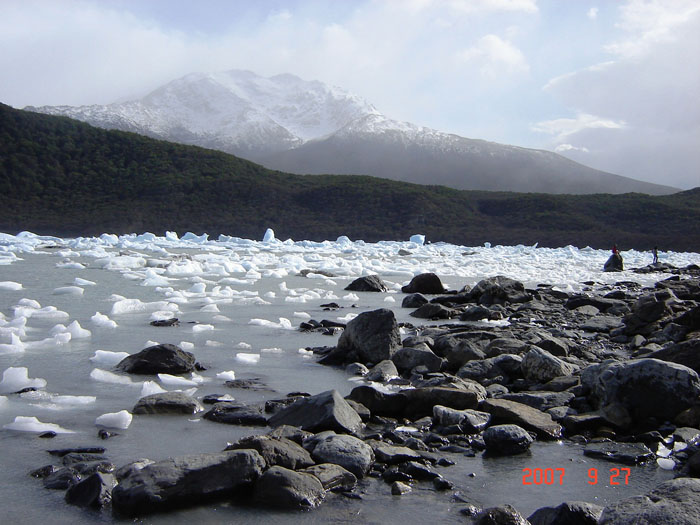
{"x": 612, "y": 84}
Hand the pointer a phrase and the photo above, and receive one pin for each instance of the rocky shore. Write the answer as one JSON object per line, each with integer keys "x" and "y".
{"x": 614, "y": 367}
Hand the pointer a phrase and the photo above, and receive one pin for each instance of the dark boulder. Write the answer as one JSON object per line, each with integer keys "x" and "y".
{"x": 382, "y": 372}
{"x": 369, "y": 283}
{"x": 406, "y": 359}
{"x": 506, "y": 440}
{"x": 369, "y": 338}
{"x": 414, "y": 300}
{"x": 426, "y": 283}
{"x": 685, "y": 353}
{"x": 625, "y": 453}
{"x": 283, "y": 488}
{"x": 325, "y": 411}
{"x": 614, "y": 263}
{"x": 433, "y": 311}
{"x": 236, "y": 414}
{"x": 674, "y": 502}
{"x": 349, "y": 452}
{"x": 276, "y": 451}
{"x": 158, "y": 359}
{"x": 94, "y": 491}
{"x": 167, "y": 403}
{"x": 499, "y": 290}
{"x": 503, "y": 515}
{"x": 568, "y": 513}
{"x": 186, "y": 480}
{"x": 505, "y": 411}
{"x": 333, "y": 477}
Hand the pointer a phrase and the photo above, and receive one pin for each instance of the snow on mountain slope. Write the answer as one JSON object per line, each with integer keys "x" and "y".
{"x": 290, "y": 124}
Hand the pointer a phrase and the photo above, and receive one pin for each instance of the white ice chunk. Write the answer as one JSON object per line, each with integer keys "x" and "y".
{"x": 31, "y": 303}
{"x": 103, "y": 321}
{"x": 302, "y": 315}
{"x": 347, "y": 318}
{"x": 199, "y": 328}
{"x": 198, "y": 288}
{"x": 104, "y": 376}
{"x": 17, "y": 378}
{"x": 32, "y": 424}
{"x": 78, "y": 332}
{"x": 389, "y": 299}
{"x": 186, "y": 345}
{"x": 151, "y": 387}
{"x": 10, "y": 286}
{"x": 211, "y": 308}
{"x": 170, "y": 380}
{"x": 106, "y": 358}
{"x": 274, "y": 350}
{"x": 70, "y": 265}
{"x": 120, "y": 420}
{"x": 248, "y": 358}
{"x": 351, "y": 297}
{"x": 83, "y": 282}
{"x": 68, "y": 290}
{"x": 284, "y": 323}
{"x": 244, "y": 345}
{"x": 14, "y": 347}
{"x": 50, "y": 312}
{"x": 305, "y": 352}
{"x": 418, "y": 239}
{"x": 228, "y": 375}
{"x": 56, "y": 401}
{"x": 269, "y": 236}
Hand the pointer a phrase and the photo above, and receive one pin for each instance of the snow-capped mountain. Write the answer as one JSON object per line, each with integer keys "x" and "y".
{"x": 290, "y": 124}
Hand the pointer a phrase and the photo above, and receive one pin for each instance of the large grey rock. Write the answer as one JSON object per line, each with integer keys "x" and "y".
{"x": 625, "y": 453}
{"x": 231, "y": 413}
{"x": 95, "y": 491}
{"x": 349, "y": 452}
{"x": 186, "y": 480}
{"x": 505, "y": 345}
{"x": 276, "y": 451}
{"x": 382, "y": 372}
{"x": 158, "y": 359}
{"x": 502, "y": 515}
{"x": 614, "y": 263}
{"x": 370, "y": 337}
{"x": 568, "y": 513}
{"x": 333, "y": 477}
{"x": 325, "y": 411}
{"x": 505, "y": 411}
{"x": 167, "y": 403}
{"x": 414, "y": 300}
{"x": 407, "y": 358}
{"x": 462, "y": 353}
{"x": 433, "y": 311}
{"x": 674, "y": 502}
{"x": 540, "y": 366}
{"x": 369, "y": 283}
{"x": 393, "y": 454}
{"x": 686, "y": 353}
{"x": 427, "y": 283}
{"x": 506, "y": 440}
{"x": 284, "y": 488}
{"x": 499, "y": 290}
{"x": 644, "y": 387}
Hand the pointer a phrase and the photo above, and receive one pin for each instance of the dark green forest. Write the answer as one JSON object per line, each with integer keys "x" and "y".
{"x": 63, "y": 177}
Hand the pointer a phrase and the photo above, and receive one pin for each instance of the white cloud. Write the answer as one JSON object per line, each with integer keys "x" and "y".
{"x": 592, "y": 13}
{"x": 562, "y": 148}
{"x": 563, "y": 128}
{"x": 494, "y": 55}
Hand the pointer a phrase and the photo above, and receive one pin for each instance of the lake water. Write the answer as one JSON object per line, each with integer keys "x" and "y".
{"x": 246, "y": 282}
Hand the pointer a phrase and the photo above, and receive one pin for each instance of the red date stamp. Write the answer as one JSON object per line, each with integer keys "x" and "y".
{"x": 555, "y": 476}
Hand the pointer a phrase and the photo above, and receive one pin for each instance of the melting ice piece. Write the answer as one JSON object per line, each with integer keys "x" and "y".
{"x": 269, "y": 235}
{"x": 274, "y": 350}
{"x": 17, "y": 378}
{"x": 666, "y": 463}
{"x": 170, "y": 380}
{"x": 78, "y": 332}
{"x": 228, "y": 375}
{"x": 10, "y": 286}
{"x": 248, "y": 358}
{"x": 151, "y": 387}
{"x": 198, "y": 328}
{"x": 351, "y": 297}
{"x": 347, "y": 318}
{"x": 32, "y": 424}
{"x": 210, "y": 308}
{"x": 284, "y": 323}
{"x": 106, "y": 358}
{"x": 109, "y": 377}
{"x": 103, "y": 321}
{"x": 13, "y": 347}
{"x": 302, "y": 315}
{"x": 83, "y": 282}
{"x": 56, "y": 401}
{"x": 418, "y": 239}
{"x": 68, "y": 290}
{"x": 243, "y": 344}
{"x": 389, "y": 299}
{"x": 120, "y": 420}
{"x": 186, "y": 345}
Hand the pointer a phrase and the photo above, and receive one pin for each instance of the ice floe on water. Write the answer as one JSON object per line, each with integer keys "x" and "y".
{"x": 32, "y": 424}
{"x": 120, "y": 420}
{"x": 10, "y": 286}
{"x": 107, "y": 358}
{"x": 15, "y": 379}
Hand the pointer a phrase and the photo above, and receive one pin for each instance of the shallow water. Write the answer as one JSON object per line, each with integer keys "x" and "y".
{"x": 257, "y": 269}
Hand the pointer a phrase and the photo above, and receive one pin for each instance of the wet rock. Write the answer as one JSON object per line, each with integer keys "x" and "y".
{"x": 382, "y": 372}
{"x": 289, "y": 432}
{"x": 568, "y": 513}
{"x": 420, "y": 471}
{"x": 674, "y": 502}
{"x": 186, "y": 480}
{"x": 358, "y": 369}
{"x": 62, "y": 479}
{"x": 686, "y": 353}
{"x": 284, "y": 488}
{"x": 370, "y": 337}
{"x": 44, "y": 471}
{"x": 158, "y": 359}
{"x": 499, "y": 290}
{"x": 95, "y": 491}
{"x": 325, "y": 411}
{"x": 276, "y": 451}
{"x": 236, "y": 414}
{"x": 393, "y": 455}
{"x": 369, "y": 283}
{"x": 425, "y": 283}
{"x": 433, "y": 312}
{"x": 506, "y": 440}
{"x": 399, "y": 488}
{"x": 626, "y": 453}
{"x": 167, "y": 403}
{"x": 540, "y": 366}
{"x": 61, "y": 452}
{"x": 333, "y": 477}
{"x": 420, "y": 401}
{"x": 553, "y": 345}
{"x": 462, "y": 353}
{"x": 505, "y": 345}
{"x": 504, "y": 411}
{"x": 614, "y": 263}
{"x": 408, "y": 358}
{"x": 471, "y": 421}
{"x": 503, "y": 515}
{"x": 414, "y": 300}
{"x": 349, "y": 452}
{"x": 644, "y": 387}
{"x": 475, "y": 313}
{"x": 173, "y": 321}
{"x": 601, "y": 323}
{"x": 602, "y": 304}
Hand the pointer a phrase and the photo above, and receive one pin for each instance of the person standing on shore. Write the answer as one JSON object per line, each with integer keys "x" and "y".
{"x": 655, "y": 251}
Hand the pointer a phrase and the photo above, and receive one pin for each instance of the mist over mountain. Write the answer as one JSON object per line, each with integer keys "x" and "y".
{"x": 307, "y": 127}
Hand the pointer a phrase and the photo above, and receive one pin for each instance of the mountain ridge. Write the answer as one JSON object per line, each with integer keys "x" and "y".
{"x": 307, "y": 127}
